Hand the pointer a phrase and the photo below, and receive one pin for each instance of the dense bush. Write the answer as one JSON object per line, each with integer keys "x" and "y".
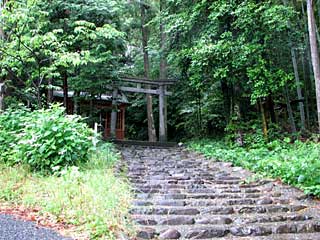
{"x": 44, "y": 139}
{"x": 295, "y": 163}
{"x": 10, "y": 127}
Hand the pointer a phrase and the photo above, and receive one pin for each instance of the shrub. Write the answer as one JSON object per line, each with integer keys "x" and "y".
{"x": 45, "y": 139}
{"x": 10, "y": 127}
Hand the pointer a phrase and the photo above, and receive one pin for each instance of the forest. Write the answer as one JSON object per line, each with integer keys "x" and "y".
{"x": 239, "y": 66}
{"x": 246, "y": 89}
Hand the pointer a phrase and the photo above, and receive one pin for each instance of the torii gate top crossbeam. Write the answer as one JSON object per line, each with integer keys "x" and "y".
{"x": 148, "y": 81}
{"x": 151, "y": 83}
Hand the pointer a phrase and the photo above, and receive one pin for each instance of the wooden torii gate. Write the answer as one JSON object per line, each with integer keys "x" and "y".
{"x": 154, "y": 87}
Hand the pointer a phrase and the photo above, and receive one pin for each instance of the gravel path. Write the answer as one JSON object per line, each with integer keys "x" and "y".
{"x": 14, "y": 229}
{"x": 182, "y": 195}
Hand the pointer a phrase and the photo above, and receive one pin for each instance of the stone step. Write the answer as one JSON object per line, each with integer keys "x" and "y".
{"x": 191, "y": 189}
{"x": 219, "y": 231}
{"x": 214, "y": 202}
{"x": 229, "y": 196}
{"x": 290, "y": 236}
{"x": 195, "y": 196}
{"x": 216, "y": 210}
{"x": 160, "y": 179}
{"x": 165, "y": 211}
{"x": 191, "y": 184}
{"x": 181, "y": 178}
{"x": 218, "y": 220}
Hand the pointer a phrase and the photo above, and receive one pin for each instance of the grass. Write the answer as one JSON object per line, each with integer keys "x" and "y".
{"x": 295, "y": 163}
{"x": 89, "y": 197}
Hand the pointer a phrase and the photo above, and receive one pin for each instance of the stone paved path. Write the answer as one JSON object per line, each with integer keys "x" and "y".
{"x": 182, "y": 195}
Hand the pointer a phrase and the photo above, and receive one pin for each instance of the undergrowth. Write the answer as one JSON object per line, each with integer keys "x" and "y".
{"x": 44, "y": 139}
{"x": 88, "y": 196}
{"x": 294, "y": 163}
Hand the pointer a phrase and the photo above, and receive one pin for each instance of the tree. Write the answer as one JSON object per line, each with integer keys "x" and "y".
{"x": 163, "y": 66}
{"x": 314, "y": 53}
{"x": 144, "y": 31}
{"x": 28, "y": 49}
{"x": 240, "y": 64}
{"x": 236, "y": 47}
{"x": 62, "y": 50}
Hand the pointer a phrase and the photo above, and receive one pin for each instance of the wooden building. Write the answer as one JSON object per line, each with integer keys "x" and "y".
{"x": 101, "y": 106}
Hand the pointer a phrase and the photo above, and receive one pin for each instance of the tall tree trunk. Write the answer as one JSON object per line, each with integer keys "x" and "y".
{"x": 318, "y": 6}
{"x": 264, "y": 120}
{"x": 306, "y": 88}
{"x": 314, "y": 54}
{"x": 236, "y": 114}
{"x": 311, "y": 82}
{"x": 226, "y": 98}
{"x": 297, "y": 79}
{"x": 270, "y": 107}
{"x": 2, "y": 6}
{"x": 313, "y": 105}
{"x": 200, "y": 126}
{"x": 299, "y": 92}
{"x": 163, "y": 68}
{"x": 39, "y": 99}
{"x": 289, "y": 110}
{"x": 163, "y": 38}
{"x": 151, "y": 128}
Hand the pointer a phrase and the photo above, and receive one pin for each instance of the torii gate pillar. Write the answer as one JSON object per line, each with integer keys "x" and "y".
{"x": 162, "y": 117}
{"x": 114, "y": 113}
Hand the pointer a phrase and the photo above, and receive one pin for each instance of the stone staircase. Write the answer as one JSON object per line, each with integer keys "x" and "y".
{"x": 181, "y": 195}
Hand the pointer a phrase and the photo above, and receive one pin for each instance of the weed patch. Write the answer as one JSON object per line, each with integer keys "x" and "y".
{"x": 294, "y": 163}
{"x": 88, "y": 196}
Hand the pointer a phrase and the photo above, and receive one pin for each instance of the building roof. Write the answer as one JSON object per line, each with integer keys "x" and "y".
{"x": 103, "y": 97}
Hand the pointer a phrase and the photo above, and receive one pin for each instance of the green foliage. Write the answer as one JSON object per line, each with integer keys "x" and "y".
{"x": 10, "y": 126}
{"x": 228, "y": 52}
{"x": 90, "y": 197}
{"x": 44, "y": 139}
{"x": 30, "y": 53}
{"x": 251, "y": 132}
{"x": 197, "y": 113}
{"x": 224, "y": 53}
{"x": 295, "y": 163}
{"x": 136, "y": 118}
{"x": 51, "y": 139}
{"x": 49, "y": 40}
